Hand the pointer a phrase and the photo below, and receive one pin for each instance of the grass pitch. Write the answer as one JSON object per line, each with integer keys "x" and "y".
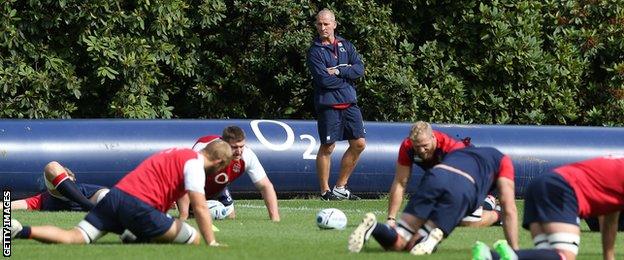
{"x": 253, "y": 236}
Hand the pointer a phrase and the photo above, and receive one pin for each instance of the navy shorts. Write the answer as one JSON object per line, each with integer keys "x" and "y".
{"x": 549, "y": 198}
{"x": 443, "y": 197}
{"x": 224, "y": 197}
{"x": 51, "y": 203}
{"x": 119, "y": 211}
{"x": 340, "y": 124}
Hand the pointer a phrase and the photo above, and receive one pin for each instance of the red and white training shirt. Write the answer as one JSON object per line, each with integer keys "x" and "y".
{"x": 248, "y": 164}
{"x": 164, "y": 177}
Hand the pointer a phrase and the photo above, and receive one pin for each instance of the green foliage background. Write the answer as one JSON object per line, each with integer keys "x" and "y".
{"x": 445, "y": 61}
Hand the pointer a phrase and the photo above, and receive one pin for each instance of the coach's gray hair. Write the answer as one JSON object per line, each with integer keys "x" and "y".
{"x": 326, "y": 11}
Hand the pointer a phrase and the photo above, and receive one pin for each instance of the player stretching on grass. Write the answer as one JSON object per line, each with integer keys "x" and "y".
{"x": 63, "y": 193}
{"x": 139, "y": 201}
{"x": 436, "y": 207}
{"x": 553, "y": 204}
{"x": 244, "y": 161}
{"x": 426, "y": 147}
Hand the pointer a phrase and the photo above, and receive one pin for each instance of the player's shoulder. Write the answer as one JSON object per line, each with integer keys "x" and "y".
{"x": 406, "y": 143}
{"x": 207, "y": 138}
{"x": 249, "y": 156}
{"x": 441, "y": 135}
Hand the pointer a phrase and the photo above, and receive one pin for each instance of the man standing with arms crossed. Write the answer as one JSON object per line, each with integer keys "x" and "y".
{"x": 335, "y": 65}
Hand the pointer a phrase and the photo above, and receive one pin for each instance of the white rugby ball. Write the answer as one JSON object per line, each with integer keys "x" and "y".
{"x": 331, "y": 219}
{"x": 217, "y": 210}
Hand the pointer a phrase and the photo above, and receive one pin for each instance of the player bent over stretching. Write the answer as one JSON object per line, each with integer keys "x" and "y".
{"x": 436, "y": 207}
{"x": 63, "y": 192}
{"x": 425, "y": 147}
{"x": 139, "y": 201}
{"x": 554, "y": 202}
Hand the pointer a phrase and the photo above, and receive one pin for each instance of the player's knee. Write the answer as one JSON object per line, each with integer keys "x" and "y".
{"x": 53, "y": 169}
{"x": 359, "y": 145}
{"x": 87, "y": 233}
{"x": 186, "y": 235}
{"x": 100, "y": 195}
{"x": 565, "y": 242}
{"x": 327, "y": 149}
{"x": 473, "y": 219}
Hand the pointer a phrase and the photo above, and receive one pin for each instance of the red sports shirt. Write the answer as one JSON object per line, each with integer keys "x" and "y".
{"x": 598, "y": 184}
{"x": 165, "y": 177}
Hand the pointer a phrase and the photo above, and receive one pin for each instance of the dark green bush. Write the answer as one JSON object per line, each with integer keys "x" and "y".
{"x": 464, "y": 61}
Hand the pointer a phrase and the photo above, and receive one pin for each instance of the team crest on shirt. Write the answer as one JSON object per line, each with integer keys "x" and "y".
{"x": 236, "y": 167}
{"x": 341, "y": 47}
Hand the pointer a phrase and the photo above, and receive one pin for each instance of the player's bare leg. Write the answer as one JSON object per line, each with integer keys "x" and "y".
{"x": 180, "y": 233}
{"x": 323, "y": 164}
{"x": 47, "y": 234}
{"x": 488, "y": 218}
{"x": 349, "y": 160}
{"x": 52, "y": 234}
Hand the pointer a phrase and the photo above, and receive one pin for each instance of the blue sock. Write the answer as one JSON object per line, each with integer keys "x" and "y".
{"x": 543, "y": 254}
{"x": 25, "y": 233}
{"x": 70, "y": 190}
{"x": 495, "y": 255}
{"x": 385, "y": 235}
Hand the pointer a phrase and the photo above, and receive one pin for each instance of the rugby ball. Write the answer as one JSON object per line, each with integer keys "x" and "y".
{"x": 218, "y": 210}
{"x": 331, "y": 219}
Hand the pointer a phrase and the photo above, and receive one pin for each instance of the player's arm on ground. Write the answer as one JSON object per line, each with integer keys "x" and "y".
{"x": 395, "y": 198}
{"x": 506, "y": 187}
{"x": 608, "y": 230}
{"x": 265, "y": 187}
{"x": 258, "y": 176}
{"x": 183, "y": 207}
{"x": 202, "y": 216}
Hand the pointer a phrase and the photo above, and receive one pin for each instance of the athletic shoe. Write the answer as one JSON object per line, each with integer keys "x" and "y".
{"x": 427, "y": 246}
{"x": 489, "y": 203}
{"x": 504, "y": 250}
{"x": 15, "y": 227}
{"x": 328, "y": 195}
{"x": 344, "y": 194}
{"x": 480, "y": 251}
{"x": 362, "y": 233}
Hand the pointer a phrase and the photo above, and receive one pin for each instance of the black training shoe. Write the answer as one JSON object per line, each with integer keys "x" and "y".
{"x": 329, "y": 196}
{"x": 344, "y": 194}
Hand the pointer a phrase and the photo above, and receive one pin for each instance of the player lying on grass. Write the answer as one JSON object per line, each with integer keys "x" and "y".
{"x": 436, "y": 207}
{"x": 138, "y": 202}
{"x": 244, "y": 161}
{"x": 63, "y": 193}
{"x": 554, "y": 202}
{"x": 425, "y": 147}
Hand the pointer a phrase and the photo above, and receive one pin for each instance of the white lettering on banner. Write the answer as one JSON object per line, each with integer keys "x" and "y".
{"x": 308, "y": 155}
{"x": 290, "y": 138}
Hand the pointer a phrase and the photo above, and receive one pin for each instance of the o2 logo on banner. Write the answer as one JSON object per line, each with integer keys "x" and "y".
{"x": 290, "y": 138}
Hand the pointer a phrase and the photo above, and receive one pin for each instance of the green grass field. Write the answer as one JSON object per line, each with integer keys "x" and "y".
{"x": 253, "y": 236}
